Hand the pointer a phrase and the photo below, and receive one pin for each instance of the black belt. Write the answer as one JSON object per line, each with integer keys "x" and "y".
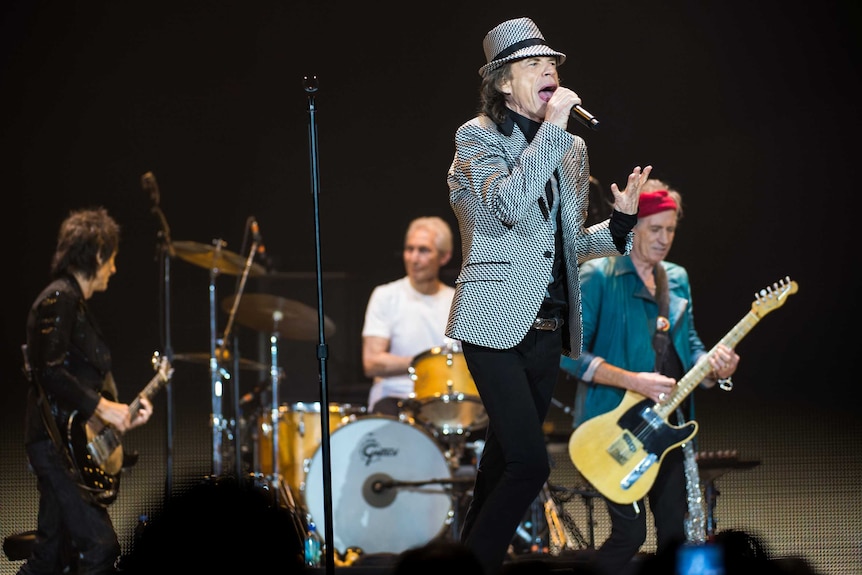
{"x": 548, "y": 324}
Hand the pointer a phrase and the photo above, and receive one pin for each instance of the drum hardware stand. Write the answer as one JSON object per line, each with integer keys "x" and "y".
{"x": 588, "y": 496}
{"x": 218, "y": 375}
{"x": 550, "y": 528}
{"x": 461, "y": 493}
{"x": 713, "y": 465}
{"x": 275, "y": 416}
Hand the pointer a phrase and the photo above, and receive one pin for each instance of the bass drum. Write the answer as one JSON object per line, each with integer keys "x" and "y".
{"x": 391, "y": 486}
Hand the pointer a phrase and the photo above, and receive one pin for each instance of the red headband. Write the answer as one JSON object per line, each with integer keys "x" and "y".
{"x": 653, "y": 202}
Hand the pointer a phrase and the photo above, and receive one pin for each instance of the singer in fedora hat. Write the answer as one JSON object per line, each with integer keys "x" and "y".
{"x": 519, "y": 186}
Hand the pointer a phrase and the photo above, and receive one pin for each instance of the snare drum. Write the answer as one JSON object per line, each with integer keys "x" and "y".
{"x": 299, "y": 435}
{"x": 390, "y": 486}
{"x": 444, "y": 394}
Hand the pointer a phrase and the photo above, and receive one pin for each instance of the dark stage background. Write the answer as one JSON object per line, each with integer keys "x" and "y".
{"x": 751, "y": 110}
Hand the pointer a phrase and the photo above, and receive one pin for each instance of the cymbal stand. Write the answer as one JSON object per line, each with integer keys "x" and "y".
{"x": 219, "y": 352}
{"x": 281, "y": 487}
{"x": 217, "y": 373}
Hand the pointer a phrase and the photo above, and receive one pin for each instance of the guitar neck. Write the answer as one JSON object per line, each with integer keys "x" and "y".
{"x": 148, "y": 392}
{"x": 702, "y": 368}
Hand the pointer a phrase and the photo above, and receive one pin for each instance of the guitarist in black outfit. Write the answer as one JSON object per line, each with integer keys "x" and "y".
{"x": 622, "y": 307}
{"x": 70, "y": 373}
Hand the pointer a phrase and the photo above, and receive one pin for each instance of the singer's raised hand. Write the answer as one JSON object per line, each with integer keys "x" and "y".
{"x": 626, "y": 200}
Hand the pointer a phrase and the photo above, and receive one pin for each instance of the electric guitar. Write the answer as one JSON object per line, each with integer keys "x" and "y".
{"x": 620, "y": 451}
{"x": 96, "y": 447}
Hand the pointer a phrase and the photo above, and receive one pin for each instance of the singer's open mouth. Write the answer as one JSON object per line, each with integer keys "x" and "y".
{"x": 546, "y": 92}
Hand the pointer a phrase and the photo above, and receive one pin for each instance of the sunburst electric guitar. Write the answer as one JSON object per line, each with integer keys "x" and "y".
{"x": 620, "y": 451}
{"x": 96, "y": 447}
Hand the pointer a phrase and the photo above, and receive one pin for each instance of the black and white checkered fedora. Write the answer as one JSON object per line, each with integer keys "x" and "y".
{"x": 514, "y": 40}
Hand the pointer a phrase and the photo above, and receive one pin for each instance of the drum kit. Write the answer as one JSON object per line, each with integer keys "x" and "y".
{"x": 396, "y": 481}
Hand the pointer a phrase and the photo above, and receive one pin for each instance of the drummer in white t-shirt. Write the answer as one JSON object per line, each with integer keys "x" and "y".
{"x": 407, "y": 317}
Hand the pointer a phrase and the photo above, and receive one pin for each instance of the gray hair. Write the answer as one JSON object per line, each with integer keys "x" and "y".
{"x": 441, "y": 229}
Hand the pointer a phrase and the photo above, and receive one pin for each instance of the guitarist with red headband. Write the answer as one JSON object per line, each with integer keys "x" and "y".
{"x": 630, "y": 346}
{"x": 69, "y": 368}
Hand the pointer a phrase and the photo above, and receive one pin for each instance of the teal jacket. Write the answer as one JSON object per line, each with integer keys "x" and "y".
{"x": 619, "y": 319}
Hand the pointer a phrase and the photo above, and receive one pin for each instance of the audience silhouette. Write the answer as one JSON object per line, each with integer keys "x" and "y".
{"x": 221, "y": 525}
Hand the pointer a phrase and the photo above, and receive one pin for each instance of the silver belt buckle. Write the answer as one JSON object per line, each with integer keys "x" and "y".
{"x": 547, "y": 324}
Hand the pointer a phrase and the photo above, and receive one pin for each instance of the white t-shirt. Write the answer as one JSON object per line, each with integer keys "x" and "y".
{"x": 412, "y": 322}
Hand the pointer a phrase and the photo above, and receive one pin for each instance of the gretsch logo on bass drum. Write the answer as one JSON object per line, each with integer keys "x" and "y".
{"x": 372, "y": 451}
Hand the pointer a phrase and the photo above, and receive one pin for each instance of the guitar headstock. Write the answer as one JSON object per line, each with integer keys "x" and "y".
{"x": 162, "y": 366}
{"x": 773, "y": 297}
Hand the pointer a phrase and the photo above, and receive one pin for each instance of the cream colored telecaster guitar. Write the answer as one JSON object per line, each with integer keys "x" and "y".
{"x": 620, "y": 451}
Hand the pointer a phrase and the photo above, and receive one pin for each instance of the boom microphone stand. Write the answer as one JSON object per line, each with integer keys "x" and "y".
{"x": 311, "y": 85}
{"x": 166, "y": 252}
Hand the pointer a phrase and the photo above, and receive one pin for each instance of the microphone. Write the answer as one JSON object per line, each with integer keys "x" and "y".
{"x": 378, "y": 486}
{"x": 255, "y": 233}
{"x": 255, "y": 230}
{"x": 251, "y": 395}
{"x": 148, "y": 182}
{"x": 584, "y": 117}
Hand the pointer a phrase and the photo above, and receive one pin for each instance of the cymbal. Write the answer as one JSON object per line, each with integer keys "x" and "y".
{"x": 225, "y": 358}
{"x": 297, "y": 321}
{"x": 204, "y": 256}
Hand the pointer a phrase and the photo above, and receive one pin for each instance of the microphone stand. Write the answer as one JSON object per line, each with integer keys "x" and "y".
{"x": 311, "y": 85}
{"x": 166, "y": 252}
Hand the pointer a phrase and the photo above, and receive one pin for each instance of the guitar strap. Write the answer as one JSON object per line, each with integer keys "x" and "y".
{"x": 661, "y": 337}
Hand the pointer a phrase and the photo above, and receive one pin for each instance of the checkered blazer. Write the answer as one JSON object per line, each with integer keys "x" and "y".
{"x": 496, "y": 183}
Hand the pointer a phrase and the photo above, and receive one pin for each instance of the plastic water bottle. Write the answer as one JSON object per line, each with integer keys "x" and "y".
{"x": 313, "y": 546}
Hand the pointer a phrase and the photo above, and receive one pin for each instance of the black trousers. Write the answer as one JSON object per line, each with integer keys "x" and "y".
{"x": 516, "y": 386}
{"x": 67, "y": 516}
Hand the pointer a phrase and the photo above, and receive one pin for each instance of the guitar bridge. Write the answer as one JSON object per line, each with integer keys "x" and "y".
{"x": 639, "y": 470}
{"x": 98, "y": 455}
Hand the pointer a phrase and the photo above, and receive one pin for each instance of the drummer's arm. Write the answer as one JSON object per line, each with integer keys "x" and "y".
{"x": 378, "y": 362}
